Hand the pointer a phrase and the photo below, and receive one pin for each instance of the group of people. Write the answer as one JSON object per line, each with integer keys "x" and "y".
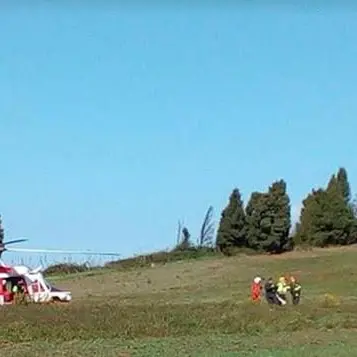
{"x": 276, "y": 293}
{"x": 12, "y": 291}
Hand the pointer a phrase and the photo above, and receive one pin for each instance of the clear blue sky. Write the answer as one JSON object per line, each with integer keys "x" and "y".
{"x": 116, "y": 122}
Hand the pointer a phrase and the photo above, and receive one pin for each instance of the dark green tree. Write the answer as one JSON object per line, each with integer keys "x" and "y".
{"x": 332, "y": 182}
{"x": 338, "y": 212}
{"x": 326, "y": 218}
{"x": 257, "y": 221}
{"x": 308, "y": 230}
{"x": 231, "y": 231}
{"x": 281, "y": 217}
{"x": 269, "y": 219}
{"x": 342, "y": 181}
{"x": 354, "y": 207}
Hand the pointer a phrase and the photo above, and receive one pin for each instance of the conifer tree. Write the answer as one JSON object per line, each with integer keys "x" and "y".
{"x": 281, "y": 216}
{"x": 257, "y": 220}
{"x": 306, "y": 232}
{"x": 231, "y": 230}
{"x": 342, "y": 180}
{"x": 269, "y": 219}
{"x": 327, "y": 217}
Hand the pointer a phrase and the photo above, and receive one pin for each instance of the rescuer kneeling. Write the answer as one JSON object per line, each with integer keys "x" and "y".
{"x": 295, "y": 290}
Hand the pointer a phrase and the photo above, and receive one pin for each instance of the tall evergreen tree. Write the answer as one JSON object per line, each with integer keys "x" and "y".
{"x": 326, "y": 218}
{"x": 258, "y": 221}
{"x": 354, "y": 207}
{"x": 338, "y": 212}
{"x": 311, "y": 219}
{"x": 281, "y": 219}
{"x": 332, "y": 182}
{"x": 269, "y": 219}
{"x": 231, "y": 230}
{"x": 342, "y": 180}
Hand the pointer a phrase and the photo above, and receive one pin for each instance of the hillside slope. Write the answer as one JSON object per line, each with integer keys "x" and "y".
{"x": 196, "y": 308}
{"x": 320, "y": 271}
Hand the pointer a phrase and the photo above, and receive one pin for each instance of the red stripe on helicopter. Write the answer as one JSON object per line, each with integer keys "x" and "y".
{"x": 6, "y": 270}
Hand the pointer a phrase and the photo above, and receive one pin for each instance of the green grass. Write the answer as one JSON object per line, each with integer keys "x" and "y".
{"x": 195, "y": 308}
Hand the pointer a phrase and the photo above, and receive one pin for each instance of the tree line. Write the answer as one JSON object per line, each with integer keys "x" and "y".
{"x": 263, "y": 225}
{"x": 328, "y": 217}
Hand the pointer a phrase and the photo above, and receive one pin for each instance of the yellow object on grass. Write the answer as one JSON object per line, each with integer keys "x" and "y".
{"x": 331, "y": 300}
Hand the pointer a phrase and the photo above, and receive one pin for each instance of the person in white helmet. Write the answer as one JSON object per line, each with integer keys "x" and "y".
{"x": 256, "y": 289}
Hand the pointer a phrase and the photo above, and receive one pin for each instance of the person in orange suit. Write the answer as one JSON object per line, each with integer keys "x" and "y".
{"x": 256, "y": 289}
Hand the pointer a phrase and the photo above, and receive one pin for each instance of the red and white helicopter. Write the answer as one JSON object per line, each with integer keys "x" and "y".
{"x": 31, "y": 281}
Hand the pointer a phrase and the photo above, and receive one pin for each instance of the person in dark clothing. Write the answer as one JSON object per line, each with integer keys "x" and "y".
{"x": 295, "y": 291}
{"x": 270, "y": 292}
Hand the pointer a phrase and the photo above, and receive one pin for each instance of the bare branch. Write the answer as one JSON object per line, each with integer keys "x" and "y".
{"x": 207, "y": 229}
{"x": 179, "y": 232}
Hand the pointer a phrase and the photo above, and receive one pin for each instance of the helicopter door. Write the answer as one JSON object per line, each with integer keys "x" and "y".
{"x": 10, "y": 282}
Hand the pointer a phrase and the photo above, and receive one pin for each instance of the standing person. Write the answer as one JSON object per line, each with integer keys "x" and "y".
{"x": 282, "y": 290}
{"x": 295, "y": 291}
{"x": 16, "y": 291}
{"x": 270, "y": 292}
{"x": 256, "y": 289}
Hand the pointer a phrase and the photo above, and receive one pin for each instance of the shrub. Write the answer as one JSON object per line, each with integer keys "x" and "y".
{"x": 66, "y": 268}
{"x": 162, "y": 257}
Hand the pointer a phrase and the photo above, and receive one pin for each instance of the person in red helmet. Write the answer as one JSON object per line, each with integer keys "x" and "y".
{"x": 256, "y": 289}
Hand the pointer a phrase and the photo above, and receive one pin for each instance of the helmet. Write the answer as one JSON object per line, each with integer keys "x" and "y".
{"x": 257, "y": 280}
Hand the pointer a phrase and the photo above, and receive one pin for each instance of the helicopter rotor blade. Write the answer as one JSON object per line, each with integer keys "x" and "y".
{"x": 15, "y": 241}
{"x": 56, "y": 251}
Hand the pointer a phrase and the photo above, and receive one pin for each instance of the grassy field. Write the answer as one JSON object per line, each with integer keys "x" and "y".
{"x": 197, "y": 308}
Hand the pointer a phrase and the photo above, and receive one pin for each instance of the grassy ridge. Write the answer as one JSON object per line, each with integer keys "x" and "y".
{"x": 195, "y": 309}
{"x": 141, "y": 261}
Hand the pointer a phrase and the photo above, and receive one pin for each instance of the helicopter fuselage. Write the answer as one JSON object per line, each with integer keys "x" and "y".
{"x": 34, "y": 285}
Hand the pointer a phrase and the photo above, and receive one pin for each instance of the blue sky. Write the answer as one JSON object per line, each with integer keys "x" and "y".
{"x": 117, "y": 121}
